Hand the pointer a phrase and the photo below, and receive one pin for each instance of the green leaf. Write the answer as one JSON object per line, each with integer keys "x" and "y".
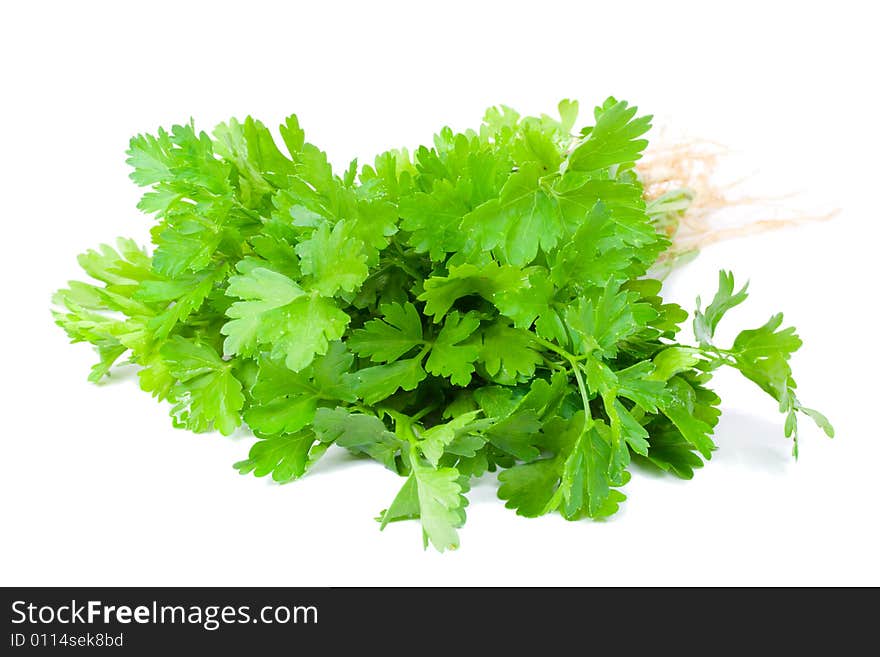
{"x": 232, "y": 145}
{"x": 635, "y": 435}
{"x": 490, "y": 281}
{"x": 585, "y": 485}
{"x": 277, "y": 313}
{"x": 359, "y": 433}
{"x": 530, "y": 488}
{"x": 575, "y": 480}
{"x": 123, "y": 267}
{"x": 180, "y": 298}
{"x": 525, "y": 301}
{"x": 820, "y": 420}
{"x": 181, "y": 160}
{"x": 189, "y": 245}
{"x": 285, "y": 457}
{"x": 508, "y": 353}
{"x": 374, "y": 223}
{"x": 679, "y": 408}
{"x": 670, "y": 451}
{"x": 434, "y": 220}
{"x": 602, "y": 320}
{"x": 436, "y": 497}
{"x": 155, "y": 377}
{"x": 282, "y": 413}
{"x": 387, "y": 339}
{"x": 762, "y": 355}
{"x": 613, "y": 140}
{"x": 673, "y": 360}
{"x": 725, "y": 299}
{"x": 150, "y": 157}
{"x": 441, "y": 505}
{"x": 373, "y": 384}
{"x": 251, "y": 149}
{"x": 207, "y": 394}
{"x": 518, "y": 434}
{"x": 453, "y": 353}
{"x": 284, "y": 401}
{"x": 265, "y": 291}
{"x": 638, "y": 384}
{"x": 405, "y": 505}
{"x": 536, "y": 146}
{"x": 522, "y": 219}
{"x": 625, "y": 433}
{"x": 333, "y": 259}
{"x": 568, "y": 112}
{"x": 433, "y": 442}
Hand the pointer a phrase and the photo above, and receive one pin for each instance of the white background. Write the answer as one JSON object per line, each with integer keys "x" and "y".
{"x": 98, "y": 489}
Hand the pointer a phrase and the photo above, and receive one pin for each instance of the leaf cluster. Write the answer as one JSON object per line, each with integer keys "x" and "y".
{"x": 481, "y": 304}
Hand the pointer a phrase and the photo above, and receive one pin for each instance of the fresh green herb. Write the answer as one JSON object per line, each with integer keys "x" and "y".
{"x": 482, "y": 305}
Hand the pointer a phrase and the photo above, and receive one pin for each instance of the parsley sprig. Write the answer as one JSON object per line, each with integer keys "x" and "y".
{"x": 484, "y": 304}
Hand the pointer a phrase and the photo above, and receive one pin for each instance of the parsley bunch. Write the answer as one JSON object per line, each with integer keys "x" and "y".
{"x": 482, "y": 305}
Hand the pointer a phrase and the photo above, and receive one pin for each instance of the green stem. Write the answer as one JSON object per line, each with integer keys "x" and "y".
{"x": 381, "y": 270}
{"x": 576, "y": 370}
{"x": 408, "y": 270}
{"x": 554, "y": 347}
{"x": 552, "y": 364}
{"x": 422, "y": 413}
{"x": 428, "y": 346}
{"x": 366, "y": 410}
{"x": 402, "y": 264}
{"x": 724, "y": 356}
{"x": 585, "y": 398}
{"x": 253, "y": 214}
{"x": 403, "y": 426}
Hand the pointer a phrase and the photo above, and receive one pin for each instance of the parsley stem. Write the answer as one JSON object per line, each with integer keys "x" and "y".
{"x": 381, "y": 270}
{"x": 408, "y": 270}
{"x": 403, "y": 428}
{"x": 422, "y": 413}
{"x": 428, "y": 346}
{"x": 554, "y": 347}
{"x": 575, "y": 369}
{"x": 552, "y": 364}
{"x": 402, "y": 264}
{"x": 585, "y": 398}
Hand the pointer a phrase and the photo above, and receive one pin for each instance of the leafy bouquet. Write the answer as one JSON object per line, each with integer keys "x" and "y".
{"x": 482, "y": 305}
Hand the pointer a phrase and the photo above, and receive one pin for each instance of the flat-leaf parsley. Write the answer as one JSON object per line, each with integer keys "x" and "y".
{"x": 481, "y": 305}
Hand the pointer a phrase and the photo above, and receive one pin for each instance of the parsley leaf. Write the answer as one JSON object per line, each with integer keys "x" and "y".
{"x": 207, "y": 393}
{"x": 452, "y": 353}
{"x": 387, "y": 339}
{"x": 276, "y": 312}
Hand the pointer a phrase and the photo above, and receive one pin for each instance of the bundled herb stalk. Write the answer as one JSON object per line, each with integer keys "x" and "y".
{"x": 482, "y": 305}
